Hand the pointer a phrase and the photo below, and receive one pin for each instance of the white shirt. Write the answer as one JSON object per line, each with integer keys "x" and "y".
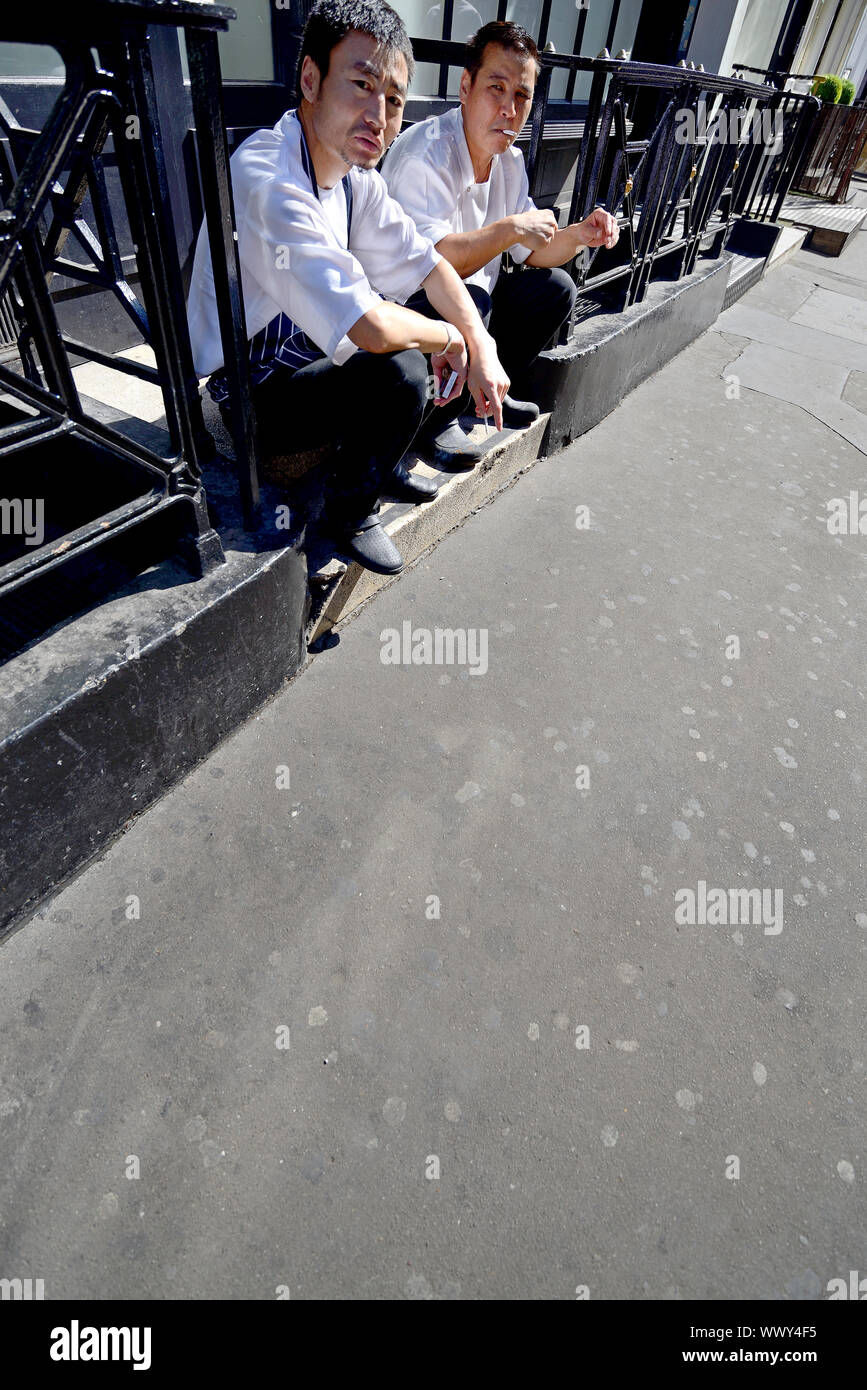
{"x": 429, "y": 171}
{"x": 293, "y": 250}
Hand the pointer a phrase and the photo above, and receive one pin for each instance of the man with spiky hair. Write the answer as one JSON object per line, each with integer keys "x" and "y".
{"x": 465, "y": 186}
{"x": 331, "y": 359}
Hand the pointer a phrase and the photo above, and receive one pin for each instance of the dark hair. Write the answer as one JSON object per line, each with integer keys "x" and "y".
{"x": 507, "y": 35}
{"x": 331, "y": 20}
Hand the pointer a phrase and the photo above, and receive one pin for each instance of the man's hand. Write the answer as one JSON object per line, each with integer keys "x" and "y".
{"x": 444, "y": 363}
{"x": 486, "y": 379}
{"x": 535, "y": 228}
{"x": 599, "y": 229}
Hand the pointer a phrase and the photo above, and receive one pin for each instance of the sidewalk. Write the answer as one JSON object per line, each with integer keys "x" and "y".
{"x": 436, "y": 912}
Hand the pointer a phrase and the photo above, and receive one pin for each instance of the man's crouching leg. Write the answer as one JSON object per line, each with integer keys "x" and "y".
{"x": 380, "y": 401}
{"x": 529, "y": 307}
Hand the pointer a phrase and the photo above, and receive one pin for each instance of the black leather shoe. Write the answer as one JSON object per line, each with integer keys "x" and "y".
{"x": 518, "y": 414}
{"x": 368, "y": 543}
{"x": 455, "y": 451}
{"x": 409, "y": 487}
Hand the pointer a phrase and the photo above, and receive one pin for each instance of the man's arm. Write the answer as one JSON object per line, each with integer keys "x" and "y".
{"x": 469, "y": 251}
{"x": 599, "y": 229}
{"x": 535, "y": 229}
{"x": 391, "y": 327}
{"x": 486, "y": 379}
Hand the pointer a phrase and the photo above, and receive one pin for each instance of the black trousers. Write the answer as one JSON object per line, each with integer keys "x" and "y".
{"x": 522, "y": 315}
{"x": 370, "y": 407}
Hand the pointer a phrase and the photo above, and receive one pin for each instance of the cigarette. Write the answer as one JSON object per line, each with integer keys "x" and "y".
{"x": 510, "y": 132}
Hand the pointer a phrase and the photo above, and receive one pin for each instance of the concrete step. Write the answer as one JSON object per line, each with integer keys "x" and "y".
{"x": 790, "y": 240}
{"x": 342, "y": 588}
{"x": 338, "y": 588}
{"x": 745, "y": 272}
{"x": 829, "y": 226}
{"x": 756, "y": 248}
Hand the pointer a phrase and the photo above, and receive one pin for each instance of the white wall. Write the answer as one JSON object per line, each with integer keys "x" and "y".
{"x": 757, "y": 40}
{"x": 844, "y": 48}
{"x": 857, "y": 59}
{"x": 423, "y": 19}
{"x": 717, "y": 27}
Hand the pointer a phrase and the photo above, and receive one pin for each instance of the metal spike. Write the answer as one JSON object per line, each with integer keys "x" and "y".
{"x": 603, "y": 54}
{"x": 623, "y": 56}
{"x": 549, "y": 48}
{"x": 682, "y": 63}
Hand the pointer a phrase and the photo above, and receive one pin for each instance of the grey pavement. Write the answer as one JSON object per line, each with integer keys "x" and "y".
{"x": 424, "y": 1023}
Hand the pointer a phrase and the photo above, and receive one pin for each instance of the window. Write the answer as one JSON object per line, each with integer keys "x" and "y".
{"x": 246, "y": 51}
{"x": 759, "y": 33}
{"x": 30, "y": 60}
{"x": 425, "y": 19}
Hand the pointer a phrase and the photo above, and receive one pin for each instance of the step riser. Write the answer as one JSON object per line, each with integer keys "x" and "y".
{"x": 421, "y": 527}
{"x": 105, "y": 748}
{"x": 585, "y": 380}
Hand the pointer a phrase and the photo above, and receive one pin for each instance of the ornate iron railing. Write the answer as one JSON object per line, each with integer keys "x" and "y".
{"x": 834, "y": 141}
{"x": 674, "y": 153}
{"x": 45, "y": 176}
{"x": 447, "y": 17}
{"x": 769, "y": 171}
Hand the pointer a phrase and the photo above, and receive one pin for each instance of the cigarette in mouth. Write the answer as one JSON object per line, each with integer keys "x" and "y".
{"x": 510, "y": 132}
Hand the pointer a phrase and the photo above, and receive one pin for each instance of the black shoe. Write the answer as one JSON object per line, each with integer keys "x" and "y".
{"x": 455, "y": 451}
{"x": 368, "y": 543}
{"x": 518, "y": 414}
{"x": 410, "y": 487}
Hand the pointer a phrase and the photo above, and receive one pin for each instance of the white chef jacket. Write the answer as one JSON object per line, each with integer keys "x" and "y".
{"x": 429, "y": 171}
{"x": 305, "y": 281}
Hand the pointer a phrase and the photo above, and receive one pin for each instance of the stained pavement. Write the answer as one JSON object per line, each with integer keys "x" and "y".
{"x": 433, "y": 952}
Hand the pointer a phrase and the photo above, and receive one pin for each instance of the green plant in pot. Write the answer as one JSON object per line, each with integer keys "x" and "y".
{"x": 828, "y": 88}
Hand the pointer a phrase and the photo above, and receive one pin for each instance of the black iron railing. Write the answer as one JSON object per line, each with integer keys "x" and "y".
{"x": 834, "y": 145}
{"x": 540, "y": 34}
{"x": 769, "y": 170}
{"x": 674, "y": 153}
{"x": 114, "y": 481}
